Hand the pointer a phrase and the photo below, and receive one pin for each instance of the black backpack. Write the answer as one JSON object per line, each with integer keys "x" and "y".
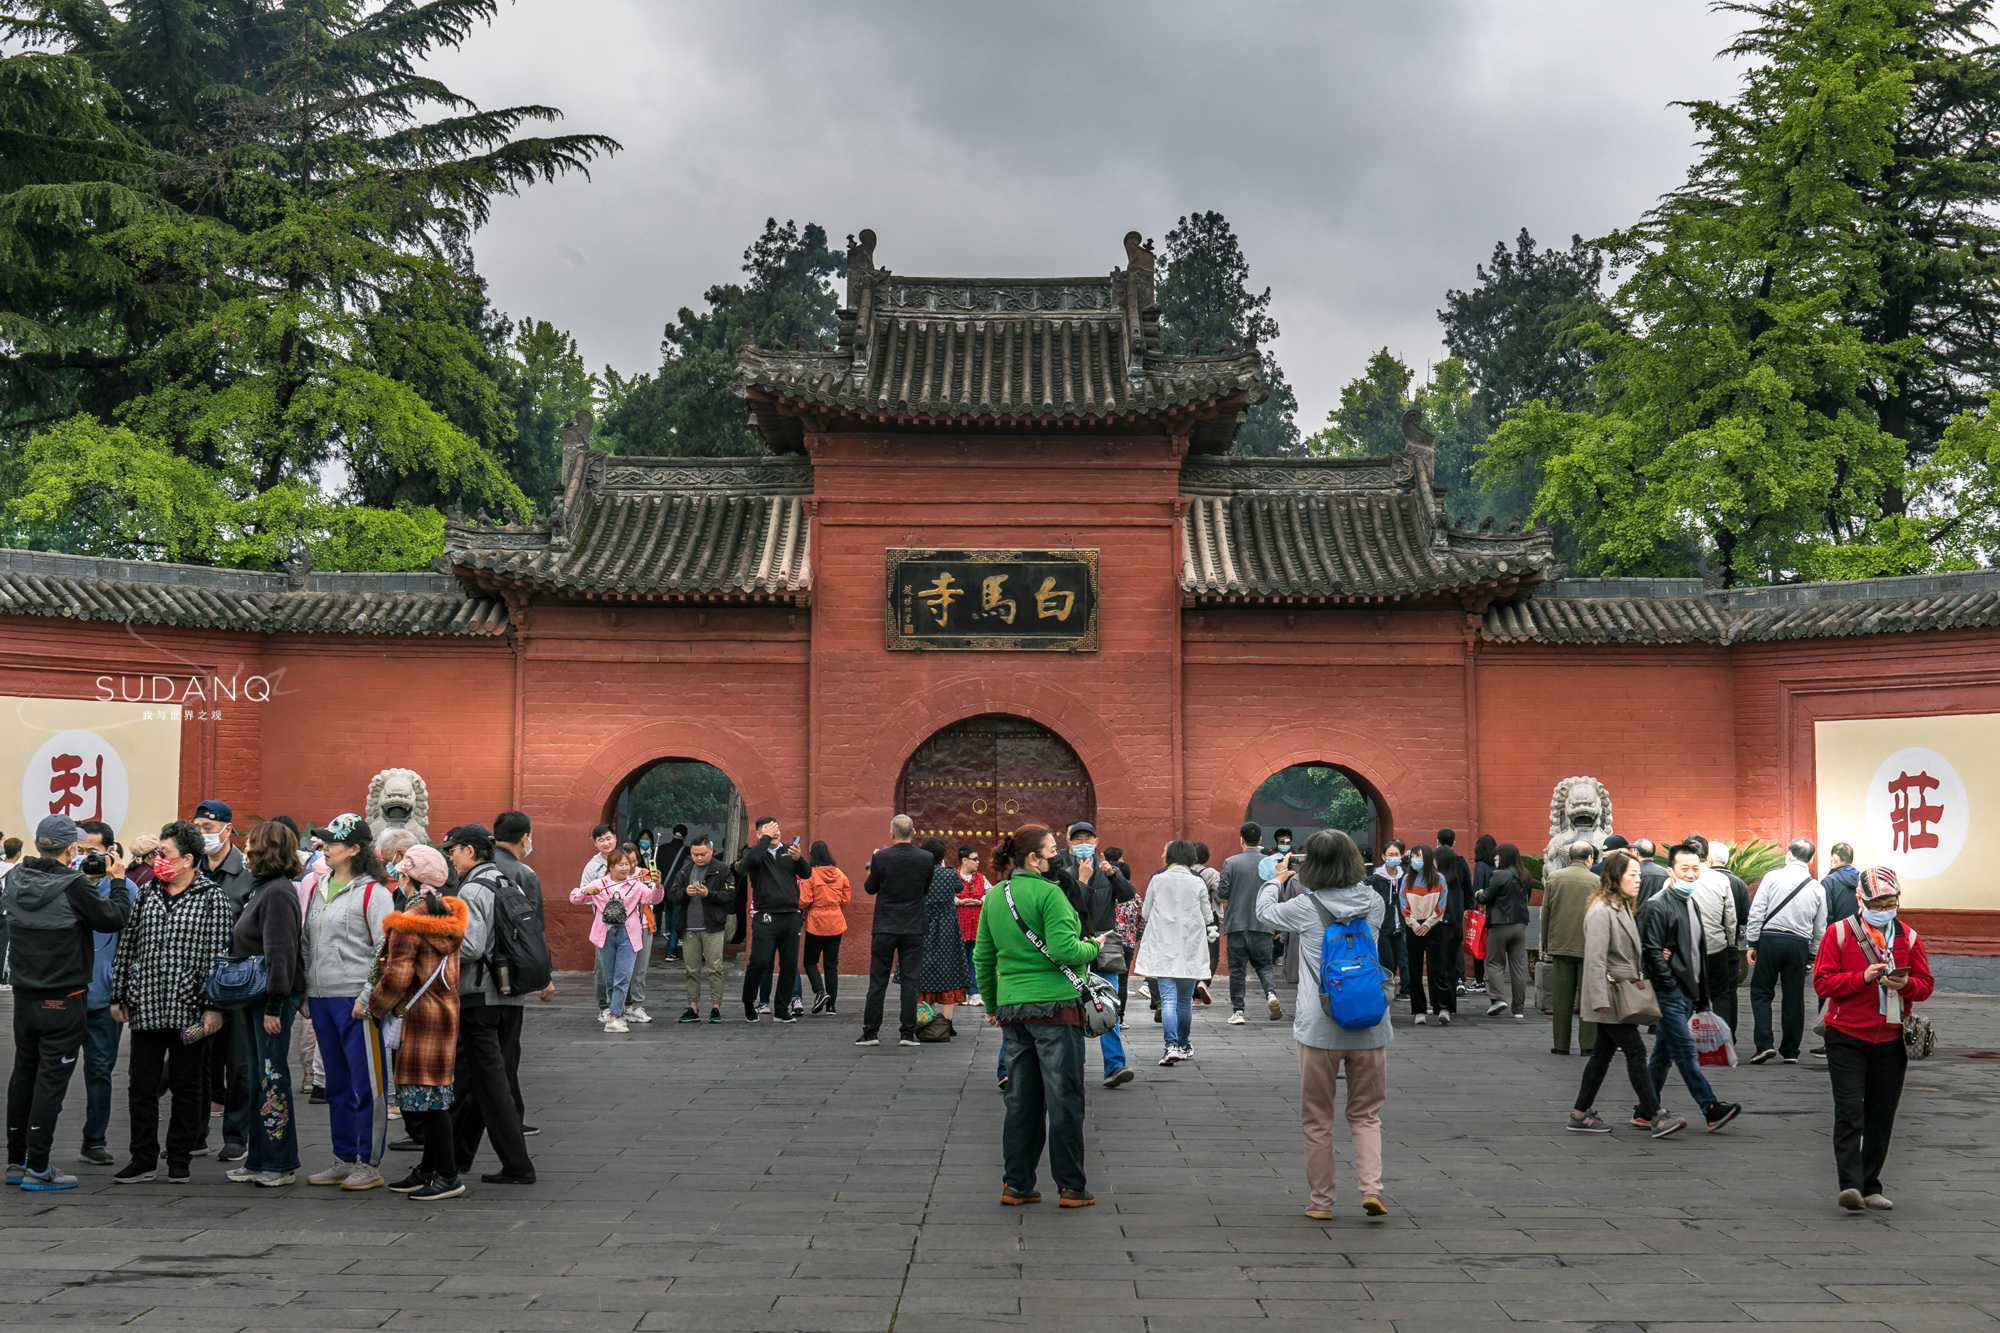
{"x": 517, "y": 957}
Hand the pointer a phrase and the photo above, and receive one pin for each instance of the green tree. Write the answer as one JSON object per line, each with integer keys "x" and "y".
{"x": 308, "y": 303}
{"x": 547, "y": 383}
{"x": 1206, "y": 305}
{"x": 686, "y": 408}
{"x": 1520, "y": 330}
{"x": 1369, "y": 420}
{"x": 1729, "y": 415}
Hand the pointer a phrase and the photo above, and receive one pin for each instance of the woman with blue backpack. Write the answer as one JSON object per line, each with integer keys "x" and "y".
{"x": 1343, "y": 1033}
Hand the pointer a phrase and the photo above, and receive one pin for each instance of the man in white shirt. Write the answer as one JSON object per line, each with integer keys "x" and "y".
{"x": 1787, "y": 919}
{"x": 605, "y": 839}
{"x": 1715, "y": 899}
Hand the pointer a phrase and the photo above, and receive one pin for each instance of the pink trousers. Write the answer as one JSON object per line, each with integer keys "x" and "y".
{"x": 1367, "y": 1088}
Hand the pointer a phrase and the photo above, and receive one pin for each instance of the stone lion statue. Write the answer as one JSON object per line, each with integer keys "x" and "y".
{"x": 1579, "y": 811}
{"x": 398, "y": 799}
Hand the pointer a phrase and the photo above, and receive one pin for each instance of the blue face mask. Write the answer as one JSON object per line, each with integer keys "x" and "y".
{"x": 645, "y": 846}
{"x": 1881, "y": 920}
{"x": 1416, "y": 863}
{"x": 1393, "y": 862}
{"x": 1084, "y": 850}
{"x": 1684, "y": 887}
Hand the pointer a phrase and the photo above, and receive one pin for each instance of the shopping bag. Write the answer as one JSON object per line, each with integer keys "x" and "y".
{"x": 1475, "y": 933}
{"x": 1712, "y": 1043}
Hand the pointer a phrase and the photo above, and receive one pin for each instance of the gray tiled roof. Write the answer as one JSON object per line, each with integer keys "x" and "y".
{"x": 673, "y": 528}
{"x": 37, "y": 583}
{"x": 1678, "y": 611}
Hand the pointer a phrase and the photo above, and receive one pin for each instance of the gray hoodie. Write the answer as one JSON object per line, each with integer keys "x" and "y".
{"x": 339, "y": 939}
{"x": 1310, "y": 1025}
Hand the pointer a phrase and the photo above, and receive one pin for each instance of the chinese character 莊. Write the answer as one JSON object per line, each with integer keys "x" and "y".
{"x": 1909, "y": 825}
{"x": 939, "y": 596}
{"x": 1046, "y": 597}
{"x": 990, "y": 600}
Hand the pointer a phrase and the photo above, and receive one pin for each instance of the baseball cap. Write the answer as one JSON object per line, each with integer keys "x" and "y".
{"x": 344, "y": 828}
{"x": 214, "y": 809}
{"x": 1615, "y": 842}
{"x": 476, "y": 836}
{"x": 1081, "y": 827}
{"x": 58, "y": 831}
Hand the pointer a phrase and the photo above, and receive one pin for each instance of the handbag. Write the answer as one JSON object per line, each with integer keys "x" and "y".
{"x": 392, "y": 1026}
{"x": 1099, "y": 996}
{"x": 1475, "y": 933}
{"x": 1111, "y": 957}
{"x": 1633, "y": 999}
{"x": 237, "y": 982}
{"x": 614, "y": 910}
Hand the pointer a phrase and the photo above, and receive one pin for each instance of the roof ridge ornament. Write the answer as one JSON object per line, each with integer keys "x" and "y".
{"x": 1139, "y": 266}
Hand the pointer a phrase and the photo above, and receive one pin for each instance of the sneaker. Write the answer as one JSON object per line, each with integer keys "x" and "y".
{"x": 274, "y": 1180}
{"x": 1878, "y": 1202}
{"x": 241, "y": 1175}
{"x": 1497, "y": 1007}
{"x": 1586, "y": 1122}
{"x": 1185, "y": 1052}
{"x": 1168, "y": 1059}
{"x": 617, "y": 1025}
{"x": 750, "y": 1012}
{"x": 1722, "y": 1113}
{"x": 363, "y": 1177}
{"x": 406, "y": 1144}
{"x": 975, "y": 1001}
{"x": 129, "y": 1174}
{"x": 1851, "y": 1200}
{"x": 233, "y": 1152}
{"x": 48, "y": 1178}
{"x": 764, "y": 1008}
{"x": 798, "y": 1008}
{"x": 333, "y": 1175}
{"x": 502, "y": 1178}
{"x": 416, "y": 1180}
{"x": 604, "y": 1014}
{"x": 1145, "y": 992}
{"x": 1791, "y": 1059}
{"x": 444, "y": 1187}
{"x": 637, "y": 1014}
{"x": 1817, "y": 1052}
{"x": 316, "y": 1096}
{"x": 1119, "y": 1078}
{"x": 1074, "y": 1198}
{"x": 178, "y": 1173}
{"x": 1641, "y": 1122}
{"x": 98, "y": 1156}
{"x": 1444, "y": 1019}
{"x": 202, "y": 1151}
{"x": 1420, "y": 1020}
{"x": 1013, "y": 1198}
{"x": 1237, "y": 1017}
{"x": 1277, "y": 1010}
{"x": 529, "y": 1131}
{"x": 715, "y": 1015}
{"x": 688, "y": 1016}
{"x": 14, "y": 1173}
{"x": 819, "y": 1004}
{"x": 868, "y": 1041}
{"x": 1320, "y": 1214}
{"x": 1763, "y": 1057}
{"x": 830, "y": 1009}
{"x": 786, "y": 1018}
{"x": 1520, "y": 1015}
{"x": 1374, "y": 1207}
{"x": 1201, "y": 995}
{"x": 908, "y": 1041}
{"x": 1664, "y": 1124}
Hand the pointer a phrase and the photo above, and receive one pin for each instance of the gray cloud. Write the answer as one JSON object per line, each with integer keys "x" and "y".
{"x": 1368, "y": 154}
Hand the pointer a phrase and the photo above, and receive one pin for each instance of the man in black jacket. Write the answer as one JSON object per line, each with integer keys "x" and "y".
{"x": 513, "y": 842}
{"x": 1675, "y": 957}
{"x": 1457, "y": 876}
{"x": 53, "y": 910}
{"x": 232, "y": 1055}
{"x": 700, "y": 899}
{"x": 772, "y": 871}
{"x": 1102, "y": 886}
{"x": 899, "y": 876}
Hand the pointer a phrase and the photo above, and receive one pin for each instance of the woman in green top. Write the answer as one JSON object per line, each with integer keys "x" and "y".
{"x": 1040, "y": 1011}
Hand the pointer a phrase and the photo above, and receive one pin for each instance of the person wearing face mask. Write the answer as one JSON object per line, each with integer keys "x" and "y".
{"x": 1425, "y": 900}
{"x": 232, "y": 1058}
{"x": 1392, "y": 944}
{"x": 1672, "y": 947}
{"x": 1102, "y": 887}
{"x": 165, "y": 954}
{"x": 343, "y": 931}
{"x": 419, "y": 984}
{"x": 1786, "y": 917}
{"x": 1870, "y": 969}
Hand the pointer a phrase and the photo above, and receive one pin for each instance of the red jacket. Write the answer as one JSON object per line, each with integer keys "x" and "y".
{"x": 1852, "y": 1004}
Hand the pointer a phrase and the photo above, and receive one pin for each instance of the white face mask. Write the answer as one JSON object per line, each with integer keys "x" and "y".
{"x": 211, "y": 843}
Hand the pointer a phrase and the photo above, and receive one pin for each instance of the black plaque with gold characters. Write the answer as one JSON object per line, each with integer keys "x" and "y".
{"x": 992, "y": 601}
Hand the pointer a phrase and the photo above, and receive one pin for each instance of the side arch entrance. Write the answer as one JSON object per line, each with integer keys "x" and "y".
{"x": 989, "y": 775}
{"x": 1308, "y": 797}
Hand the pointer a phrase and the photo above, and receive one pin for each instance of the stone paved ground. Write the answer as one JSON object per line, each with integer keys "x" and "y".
{"x": 736, "y": 1178}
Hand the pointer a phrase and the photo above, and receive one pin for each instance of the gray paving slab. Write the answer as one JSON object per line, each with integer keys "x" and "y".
{"x": 780, "y": 1180}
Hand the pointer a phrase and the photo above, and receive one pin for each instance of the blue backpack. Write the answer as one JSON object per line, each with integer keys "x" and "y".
{"x": 1350, "y": 974}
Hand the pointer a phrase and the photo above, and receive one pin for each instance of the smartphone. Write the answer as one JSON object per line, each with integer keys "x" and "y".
{"x": 1900, "y": 974}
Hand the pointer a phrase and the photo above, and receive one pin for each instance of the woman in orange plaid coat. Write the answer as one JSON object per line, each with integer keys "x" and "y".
{"x": 419, "y": 985}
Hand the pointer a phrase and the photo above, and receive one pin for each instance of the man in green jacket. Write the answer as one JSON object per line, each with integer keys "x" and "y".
{"x": 1039, "y": 1010}
{"x": 1565, "y": 899}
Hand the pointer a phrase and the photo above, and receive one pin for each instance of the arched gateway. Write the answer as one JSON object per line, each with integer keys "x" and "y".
{"x": 997, "y": 496}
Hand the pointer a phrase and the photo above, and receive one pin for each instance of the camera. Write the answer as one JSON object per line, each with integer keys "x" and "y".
{"x": 93, "y": 865}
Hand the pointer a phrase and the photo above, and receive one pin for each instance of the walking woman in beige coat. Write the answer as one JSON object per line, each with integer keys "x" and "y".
{"x": 1617, "y": 998}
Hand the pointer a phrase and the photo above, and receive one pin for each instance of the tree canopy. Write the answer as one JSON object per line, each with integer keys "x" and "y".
{"x": 238, "y": 242}
{"x": 1206, "y": 305}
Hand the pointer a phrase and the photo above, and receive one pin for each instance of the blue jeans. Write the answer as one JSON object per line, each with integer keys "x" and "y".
{"x": 274, "y": 1130}
{"x": 1176, "y": 1008}
{"x": 1112, "y": 1043}
{"x": 101, "y": 1035}
{"x": 971, "y": 972}
{"x": 1044, "y": 1104}
{"x": 614, "y": 967}
{"x": 1672, "y": 1041}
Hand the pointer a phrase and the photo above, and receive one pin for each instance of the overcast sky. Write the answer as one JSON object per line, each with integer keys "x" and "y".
{"x": 1369, "y": 154}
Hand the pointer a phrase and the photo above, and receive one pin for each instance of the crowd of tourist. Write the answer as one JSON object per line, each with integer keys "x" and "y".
{"x": 393, "y": 975}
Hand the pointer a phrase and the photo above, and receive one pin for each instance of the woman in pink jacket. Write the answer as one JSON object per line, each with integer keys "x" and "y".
{"x": 617, "y": 924}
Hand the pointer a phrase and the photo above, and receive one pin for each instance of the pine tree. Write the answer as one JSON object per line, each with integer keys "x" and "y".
{"x": 1206, "y": 305}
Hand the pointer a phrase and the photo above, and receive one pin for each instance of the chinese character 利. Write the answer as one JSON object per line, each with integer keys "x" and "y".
{"x": 1045, "y": 601}
{"x": 68, "y": 775}
{"x": 1910, "y": 825}
{"x": 939, "y": 596}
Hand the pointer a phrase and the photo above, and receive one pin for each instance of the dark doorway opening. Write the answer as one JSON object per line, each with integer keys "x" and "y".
{"x": 991, "y": 774}
{"x": 1306, "y": 798}
{"x": 667, "y": 792}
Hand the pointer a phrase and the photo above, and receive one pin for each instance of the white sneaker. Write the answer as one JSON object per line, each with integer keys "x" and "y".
{"x": 616, "y": 1025}
{"x": 604, "y": 1014}
{"x": 1444, "y": 1019}
{"x": 1497, "y": 1007}
{"x": 975, "y": 1001}
{"x": 763, "y": 1008}
{"x": 637, "y": 1014}
{"x": 1237, "y": 1017}
{"x": 242, "y": 1175}
{"x": 1420, "y": 1020}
